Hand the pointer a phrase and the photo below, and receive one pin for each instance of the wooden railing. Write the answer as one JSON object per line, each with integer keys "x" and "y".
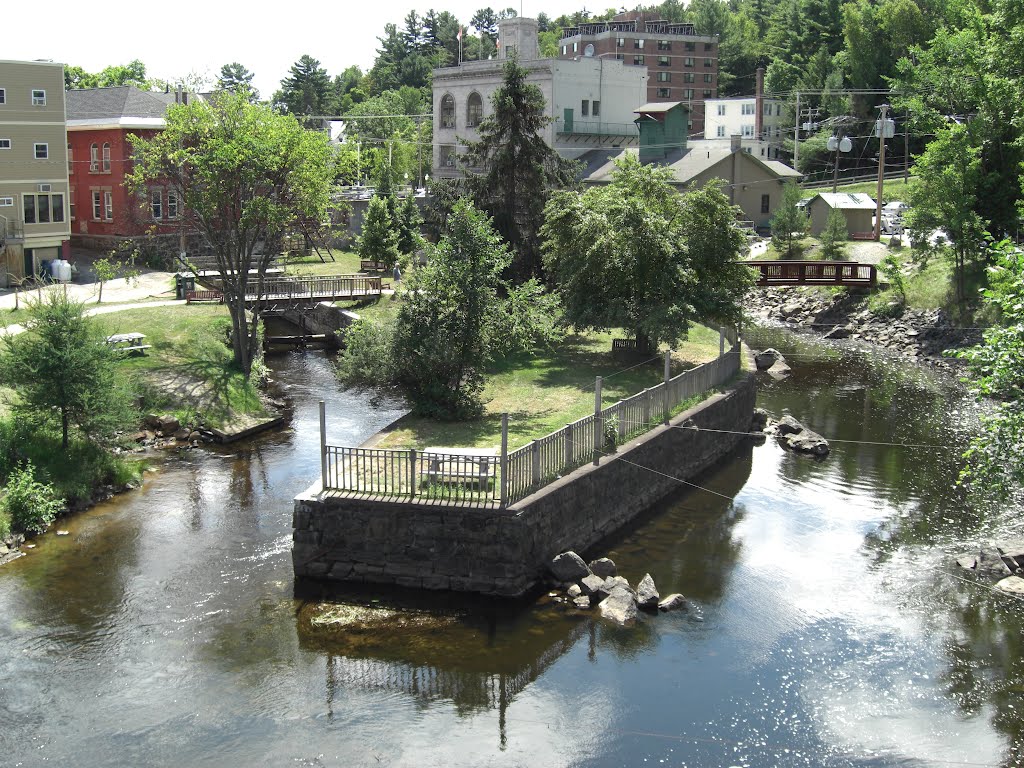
{"x": 844, "y": 273}
{"x": 487, "y": 478}
{"x": 314, "y": 287}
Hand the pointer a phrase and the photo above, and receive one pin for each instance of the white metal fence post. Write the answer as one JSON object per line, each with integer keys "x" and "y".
{"x": 323, "y": 446}
{"x": 668, "y": 376}
{"x": 504, "y": 460}
{"x": 721, "y": 340}
{"x": 597, "y": 421}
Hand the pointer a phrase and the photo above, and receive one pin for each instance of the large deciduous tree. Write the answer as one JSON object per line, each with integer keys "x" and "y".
{"x": 636, "y": 254}
{"x": 511, "y": 170}
{"x": 247, "y": 176}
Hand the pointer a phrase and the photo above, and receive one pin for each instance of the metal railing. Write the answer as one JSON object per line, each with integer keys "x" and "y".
{"x": 597, "y": 128}
{"x": 475, "y": 477}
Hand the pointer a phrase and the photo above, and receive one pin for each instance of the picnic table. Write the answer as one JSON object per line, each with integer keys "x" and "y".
{"x": 459, "y": 465}
{"x": 128, "y": 343}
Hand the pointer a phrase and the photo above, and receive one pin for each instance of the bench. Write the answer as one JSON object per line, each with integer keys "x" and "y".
{"x": 128, "y": 343}
{"x": 470, "y": 466}
{"x": 193, "y": 297}
{"x": 372, "y": 266}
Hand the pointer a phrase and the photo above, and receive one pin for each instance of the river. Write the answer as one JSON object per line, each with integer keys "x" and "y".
{"x": 828, "y": 625}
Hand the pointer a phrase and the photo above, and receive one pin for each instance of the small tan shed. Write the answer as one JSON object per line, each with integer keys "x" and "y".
{"x": 859, "y": 210}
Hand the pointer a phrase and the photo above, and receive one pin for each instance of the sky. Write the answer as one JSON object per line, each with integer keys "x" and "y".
{"x": 192, "y": 36}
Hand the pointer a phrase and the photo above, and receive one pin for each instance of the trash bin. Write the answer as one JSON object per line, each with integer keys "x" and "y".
{"x": 183, "y": 284}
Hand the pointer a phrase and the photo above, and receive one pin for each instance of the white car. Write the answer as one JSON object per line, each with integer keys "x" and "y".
{"x": 892, "y": 216}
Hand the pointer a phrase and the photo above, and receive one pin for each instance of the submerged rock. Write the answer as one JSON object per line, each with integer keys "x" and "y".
{"x": 647, "y": 594}
{"x": 569, "y": 566}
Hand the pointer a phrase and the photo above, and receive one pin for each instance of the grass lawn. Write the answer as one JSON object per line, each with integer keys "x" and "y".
{"x": 384, "y": 307}
{"x": 892, "y": 189}
{"x": 189, "y": 369}
{"x": 547, "y": 390}
{"x": 345, "y": 263}
{"x": 930, "y": 287}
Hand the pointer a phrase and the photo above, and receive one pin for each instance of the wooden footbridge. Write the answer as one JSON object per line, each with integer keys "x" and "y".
{"x": 830, "y": 273}
{"x": 309, "y": 289}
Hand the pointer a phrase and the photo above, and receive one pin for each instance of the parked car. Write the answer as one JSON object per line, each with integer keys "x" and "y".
{"x": 892, "y": 216}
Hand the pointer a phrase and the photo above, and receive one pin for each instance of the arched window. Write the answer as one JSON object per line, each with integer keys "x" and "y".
{"x": 474, "y": 110}
{"x": 447, "y": 111}
{"x": 94, "y": 158}
{"x": 106, "y": 158}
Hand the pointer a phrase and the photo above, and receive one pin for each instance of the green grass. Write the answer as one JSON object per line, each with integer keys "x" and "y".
{"x": 385, "y": 306}
{"x": 189, "y": 369}
{"x": 810, "y": 250}
{"x": 544, "y": 391}
{"x": 929, "y": 287}
{"x": 345, "y": 263}
{"x": 892, "y": 189}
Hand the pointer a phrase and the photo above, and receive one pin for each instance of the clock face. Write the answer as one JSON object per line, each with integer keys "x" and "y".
{"x": 589, "y": 50}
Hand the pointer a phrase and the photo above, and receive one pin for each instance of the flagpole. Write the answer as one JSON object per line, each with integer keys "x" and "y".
{"x": 460, "y": 46}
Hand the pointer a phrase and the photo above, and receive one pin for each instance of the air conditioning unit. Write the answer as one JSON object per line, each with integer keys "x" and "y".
{"x": 44, "y": 187}
{"x": 450, "y": 162}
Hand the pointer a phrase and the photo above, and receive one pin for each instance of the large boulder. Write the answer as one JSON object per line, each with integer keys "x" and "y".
{"x": 169, "y": 425}
{"x": 647, "y": 596}
{"x": 990, "y": 563}
{"x": 593, "y": 585}
{"x": 795, "y": 436}
{"x": 569, "y": 566}
{"x": 620, "y": 606}
{"x": 1011, "y": 585}
{"x": 839, "y": 332}
{"x": 612, "y": 583}
{"x": 603, "y": 567}
{"x": 765, "y": 360}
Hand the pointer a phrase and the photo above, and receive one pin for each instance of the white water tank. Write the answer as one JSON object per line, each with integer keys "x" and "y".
{"x": 62, "y": 271}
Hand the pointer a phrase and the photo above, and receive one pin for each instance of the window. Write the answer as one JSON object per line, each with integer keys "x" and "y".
{"x": 709, "y": 63}
{"x": 688, "y": 77}
{"x": 565, "y": 49}
{"x": 97, "y": 209}
{"x": 747, "y": 109}
{"x": 687, "y": 93}
{"x": 620, "y": 42}
{"x": 664, "y": 93}
{"x": 778, "y": 110}
{"x": 664, "y": 45}
{"x": 664, "y": 77}
{"x": 690, "y": 46}
{"x": 638, "y": 60}
{"x": 6, "y": 202}
{"x": 765, "y": 202}
{"x": 708, "y": 77}
{"x": 708, "y": 93}
{"x": 5, "y": 143}
{"x": 620, "y": 57}
{"x": 709, "y": 46}
{"x": 638, "y": 43}
{"x": 510, "y": 51}
{"x": 767, "y": 108}
{"x": 664, "y": 61}
{"x": 447, "y": 111}
{"x": 172, "y": 204}
{"x": 108, "y": 206}
{"x": 575, "y": 47}
{"x": 688, "y": 61}
{"x": 474, "y": 110}
{"x": 38, "y": 98}
{"x": 43, "y": 208}
{"x": 721, "y": 110}
{"x": 156, "y": 203}
{"x": 720, "y": 132}
{"x": 71, "y": 202}
{"x": 71, "y": 161}
{"x": 41, "y": 150}
{"x": 3, "y": 95}
{"x": 585, "y": 108}
{"x": 106, "y": 158}
{"x": 447, "y": 156}
{"x": 747, "y": 131}
{"x": 94, "y": 158}
{"x": 596, "y": 109}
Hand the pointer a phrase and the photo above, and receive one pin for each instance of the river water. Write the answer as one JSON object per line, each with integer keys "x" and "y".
{"x": 828, "y": 626}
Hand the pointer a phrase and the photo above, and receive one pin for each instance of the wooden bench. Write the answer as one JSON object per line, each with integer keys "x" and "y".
{"x": 193, "y": 297}
{"x": 128, "y": 343}
{"x": 372, "y": 266}
{"x": 469, "y": 466}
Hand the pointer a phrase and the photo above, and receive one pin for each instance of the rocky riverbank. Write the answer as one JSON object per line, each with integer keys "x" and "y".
{"x": 917, "y": 333}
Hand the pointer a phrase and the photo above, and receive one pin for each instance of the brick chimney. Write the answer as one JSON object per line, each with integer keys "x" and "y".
{"x": 759, "y": 104}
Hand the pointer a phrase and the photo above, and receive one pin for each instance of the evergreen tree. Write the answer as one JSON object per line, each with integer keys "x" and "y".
{"x": 378, "y": 240}
{"x": 235, "y": 77}
{"x": 789, "y": 224}
{"x": 513, "y": 169}
{"x": 834, "y": 236}
{"x": 409, "y": 223}
{"x": 306, "y": 90}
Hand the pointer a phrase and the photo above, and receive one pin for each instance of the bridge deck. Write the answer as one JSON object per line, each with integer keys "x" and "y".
{"x": 841, "y": 273}
{"x": 316, "y": 288}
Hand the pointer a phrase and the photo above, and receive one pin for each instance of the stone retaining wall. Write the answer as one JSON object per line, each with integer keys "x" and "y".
{"x": 324, "y": 318}
{"x": 505, "y": 552}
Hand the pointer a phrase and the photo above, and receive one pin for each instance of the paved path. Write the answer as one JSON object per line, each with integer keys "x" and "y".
{"x": 152, "y": 285}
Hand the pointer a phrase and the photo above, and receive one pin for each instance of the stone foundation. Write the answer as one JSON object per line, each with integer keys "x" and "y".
{"x": 505, "y": 551}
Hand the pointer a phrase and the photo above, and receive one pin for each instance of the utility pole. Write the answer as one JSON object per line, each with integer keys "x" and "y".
{"x": 882, "y": 118}
{"x": 796, "y": 135}
{"x": 906, "y": 149}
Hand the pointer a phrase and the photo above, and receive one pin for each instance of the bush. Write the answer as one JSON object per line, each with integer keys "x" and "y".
{"x": 31, "y": 505}
{"x": 367, "y": 357}
{"x": 5, "y": 524}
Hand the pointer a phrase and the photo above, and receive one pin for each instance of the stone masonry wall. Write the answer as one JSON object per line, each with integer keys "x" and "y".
{"x": 505, "y": 552}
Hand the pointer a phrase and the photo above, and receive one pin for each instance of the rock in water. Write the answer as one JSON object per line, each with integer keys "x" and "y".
{"x": 797, "y": 437}
{"x": 611, "y": 584}
{"x": 765, "y": 360}
{"x": 991, "y": 564}
{"x": 620, "y": 606}
{"x": 574, "y": 591}
{"x": 759, "y": 420}
{"x": 839, "y": 332}
{"x": 569, "y": 566}
{"x": 581, "y": 602}
{"x": 672, "y": 602}
{"x": 647, "y": 594}
{"x": 592, "y": 585}
{"x": 1011, "y": 585}
{"x": 603, "y": 567}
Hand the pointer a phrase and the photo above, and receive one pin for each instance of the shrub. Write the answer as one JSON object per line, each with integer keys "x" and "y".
{"x": 367, "y": 357}
{"x": 5, "y": 524}
{"x": 31, "y": 505}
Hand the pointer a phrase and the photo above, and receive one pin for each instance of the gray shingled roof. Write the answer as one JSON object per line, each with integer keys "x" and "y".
{"x": 117, "y": 102}
{"x": 599, "y": 165}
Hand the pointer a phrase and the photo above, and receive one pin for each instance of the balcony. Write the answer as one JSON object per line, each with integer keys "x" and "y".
{"x": 583, "y": 128}
{"x": 11, "y": 231}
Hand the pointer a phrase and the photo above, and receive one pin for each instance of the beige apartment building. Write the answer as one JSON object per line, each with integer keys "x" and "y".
{"x": 35, "y": 220}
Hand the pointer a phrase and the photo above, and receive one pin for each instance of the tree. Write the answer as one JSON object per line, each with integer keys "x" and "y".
{"x": 247, "y": 175}
{"x": 235, "y": 77}
{"x": 132, "y": 73}
{"x": 378, "y": 240}
{"x": 409, "y": 222}
{"x": 306, "y": 90}
{"x": 62, "y": 370}
{"x": 943, "y": 195}
{"x": 834, "y": 236}
{"x": 450, "y": 317}
{"x": 636, "y": 254}
{"x": 996, "y": 457}
{"x": 789, "y": 223}
{"x": 516, "y": 168}
{"x": 107, "y": 269}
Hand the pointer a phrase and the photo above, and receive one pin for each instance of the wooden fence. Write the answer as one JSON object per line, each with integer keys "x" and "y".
{"x": 476, "y": 477}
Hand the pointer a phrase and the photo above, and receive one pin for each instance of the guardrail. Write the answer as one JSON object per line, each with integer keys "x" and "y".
{"x": 474, "y": 477}
{"x": 842, "y": 273}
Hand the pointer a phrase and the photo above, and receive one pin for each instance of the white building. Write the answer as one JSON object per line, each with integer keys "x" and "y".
{"x": 590, "y": 100}
{"x": 759, "y": 122}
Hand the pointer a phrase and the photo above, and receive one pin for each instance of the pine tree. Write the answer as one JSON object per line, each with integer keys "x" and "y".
{"x": 409, "y": 222}
{"x": 789, "y": 224}
{"x": 307, "y": 89}
{"x": 378, "y": 240}
{"x": 834, "y": 236}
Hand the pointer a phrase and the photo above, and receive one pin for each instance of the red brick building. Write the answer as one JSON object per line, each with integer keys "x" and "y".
{"x": 104, "y": 212}
{"x": 682, "y": 65}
